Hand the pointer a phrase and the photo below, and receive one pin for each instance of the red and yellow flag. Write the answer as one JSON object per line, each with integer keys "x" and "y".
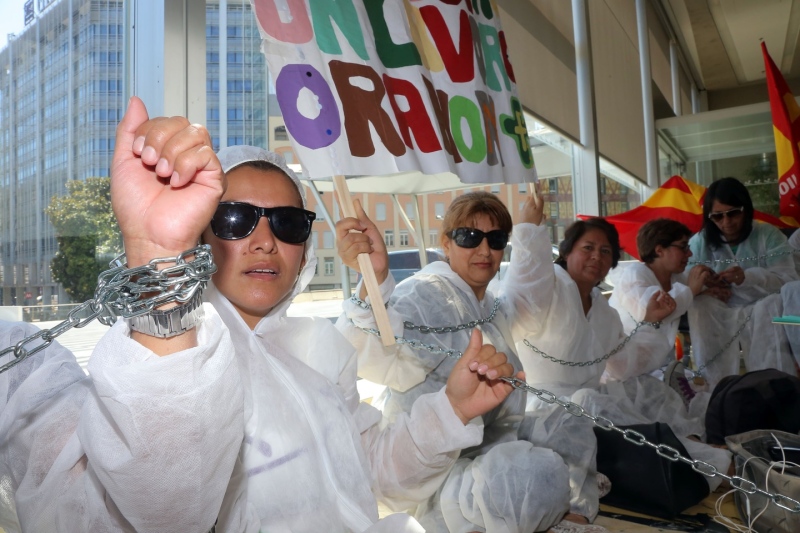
{"x": 786, "y": 128}
{"x": 678, "y": 199}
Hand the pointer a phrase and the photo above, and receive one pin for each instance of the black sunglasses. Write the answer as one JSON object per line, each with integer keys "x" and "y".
{"x": 730, "y": 213}
{"x": 472, "y": 238}
{"x": 237, "y": 220}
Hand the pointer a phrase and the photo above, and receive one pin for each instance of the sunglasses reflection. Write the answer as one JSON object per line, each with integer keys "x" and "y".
{"x": 237, "y": 220}
{"x": 730, "y": 213}
{"x": 472, "y": 238}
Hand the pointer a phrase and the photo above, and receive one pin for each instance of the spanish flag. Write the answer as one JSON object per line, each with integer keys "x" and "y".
{"x": 786, "y": 128}
{"x": 678, "y": 199}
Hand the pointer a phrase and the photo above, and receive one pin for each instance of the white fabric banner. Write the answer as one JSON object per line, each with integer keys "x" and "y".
{"x": 377, "y": 87}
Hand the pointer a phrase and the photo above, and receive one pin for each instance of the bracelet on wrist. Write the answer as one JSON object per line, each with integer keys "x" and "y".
{"x": 167, "y": 323}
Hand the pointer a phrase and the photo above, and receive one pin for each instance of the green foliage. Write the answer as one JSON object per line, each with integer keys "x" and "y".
{"x": 76, "y": 266}
{"x": 87, "y": 233}
{"x": 762, "y": 184}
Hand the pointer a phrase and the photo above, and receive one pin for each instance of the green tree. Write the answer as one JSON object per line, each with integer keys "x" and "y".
{"x": 762, "y": 183}
{"x": 87, "y": 234}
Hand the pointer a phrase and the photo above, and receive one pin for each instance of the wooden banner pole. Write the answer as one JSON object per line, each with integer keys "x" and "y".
{"x": 364, "y": 264}
{"x": 532, "y": 189}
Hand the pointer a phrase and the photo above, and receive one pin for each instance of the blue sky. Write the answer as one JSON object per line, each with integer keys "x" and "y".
{"x": 11, "y": 18}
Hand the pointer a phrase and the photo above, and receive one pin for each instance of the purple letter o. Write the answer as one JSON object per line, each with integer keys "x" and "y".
{"x": 312, "y": 133}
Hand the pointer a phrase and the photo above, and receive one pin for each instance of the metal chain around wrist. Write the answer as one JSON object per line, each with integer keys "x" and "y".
{"x": 600, "y": 359}
{"x": 127, "y": 292}
{"x": 360, "y": 303}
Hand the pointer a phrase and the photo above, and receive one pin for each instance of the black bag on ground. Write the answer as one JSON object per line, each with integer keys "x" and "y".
{"x": 762, "y": 399}
{"x": 754, "y": 453}
{"x": 641, "y": 480}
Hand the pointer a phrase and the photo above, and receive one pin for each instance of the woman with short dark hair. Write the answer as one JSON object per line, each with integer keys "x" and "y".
{"x": 752, "y": 262}
{"x": 663, "y": 246}
{"x": 567, "y": 336}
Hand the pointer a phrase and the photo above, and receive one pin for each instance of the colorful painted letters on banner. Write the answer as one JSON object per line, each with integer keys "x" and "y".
{"x": 376, "y": 87}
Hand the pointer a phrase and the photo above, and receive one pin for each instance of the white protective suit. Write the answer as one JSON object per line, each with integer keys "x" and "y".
{"x": 713, "y": 323}
{"x": 504, "y": 485}
{"x": 634, "y": 285}
{"x": 790, "y": 297}
{"x": 139, "y": 446}
{"x": 549, "y": 315}
{"x": 259, "y": 429}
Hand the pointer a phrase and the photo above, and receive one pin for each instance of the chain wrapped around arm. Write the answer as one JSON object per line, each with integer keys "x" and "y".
{"x": 127, "y": 292}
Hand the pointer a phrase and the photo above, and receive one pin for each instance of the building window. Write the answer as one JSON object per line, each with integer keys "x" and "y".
{"x": 327, "y": 240}
{"x": 523, "y": 187}
{"x": 410, "y": 210}
{"x": 320, "y": 215}
{"x": 403, "y": 238}
{"x": 314, "y": 238}
{"x": 495, "y": 189}
{"x": 280, "y": 133}
{"x": 438, "y": 209}
{"x": 388, "y": 237}
{"x": 380, "y": 211}
{"x": 553, "y": 209}
{"x": 329, "y": 266}
{"x": 433, "y": 238}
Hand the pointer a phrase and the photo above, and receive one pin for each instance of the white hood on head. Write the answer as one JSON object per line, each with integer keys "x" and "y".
{"x": 234, "y": 156}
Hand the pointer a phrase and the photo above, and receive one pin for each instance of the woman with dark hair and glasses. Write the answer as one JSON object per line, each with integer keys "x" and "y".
{"x": 512, "y": 485}
{"x": 664, "y": 251}
{"x": 569, "y": 335}
{"x": 237, "y": 416}
{"x": 753, "y": 261}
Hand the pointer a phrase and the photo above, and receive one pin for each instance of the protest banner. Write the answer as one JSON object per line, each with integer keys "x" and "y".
{"x": 380, "y": 87}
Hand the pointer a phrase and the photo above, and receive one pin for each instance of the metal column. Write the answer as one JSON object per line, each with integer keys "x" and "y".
{"x": 675, "y": 74}
{"x": 650, "y": 147}
{"x": 585, "y": 166}
{"x": 346, "y": 289}
{"x": 423, "y": 257}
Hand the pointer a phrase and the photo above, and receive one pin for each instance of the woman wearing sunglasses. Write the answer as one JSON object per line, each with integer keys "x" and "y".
{"x": 250, "y": 420}
{"x": 752, "y": 261}
{"x": 568, "y": 331}
{"x": 504, "y": 484}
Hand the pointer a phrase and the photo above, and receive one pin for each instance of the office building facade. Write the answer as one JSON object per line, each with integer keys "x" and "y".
{"x": 61, "y": 96}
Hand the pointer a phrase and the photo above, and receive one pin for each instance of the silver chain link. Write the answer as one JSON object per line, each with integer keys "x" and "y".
{"x": 127, "y": 292}
{"x": 755, "y": 258}
{"x": 416, "y": 345}
{"x": 737, "y": 483}
{"x": 599, "y": 360}
{"x": 701, "y": 368}
{"x": 453, "y": 329}
{"x": 419, "y": 345}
